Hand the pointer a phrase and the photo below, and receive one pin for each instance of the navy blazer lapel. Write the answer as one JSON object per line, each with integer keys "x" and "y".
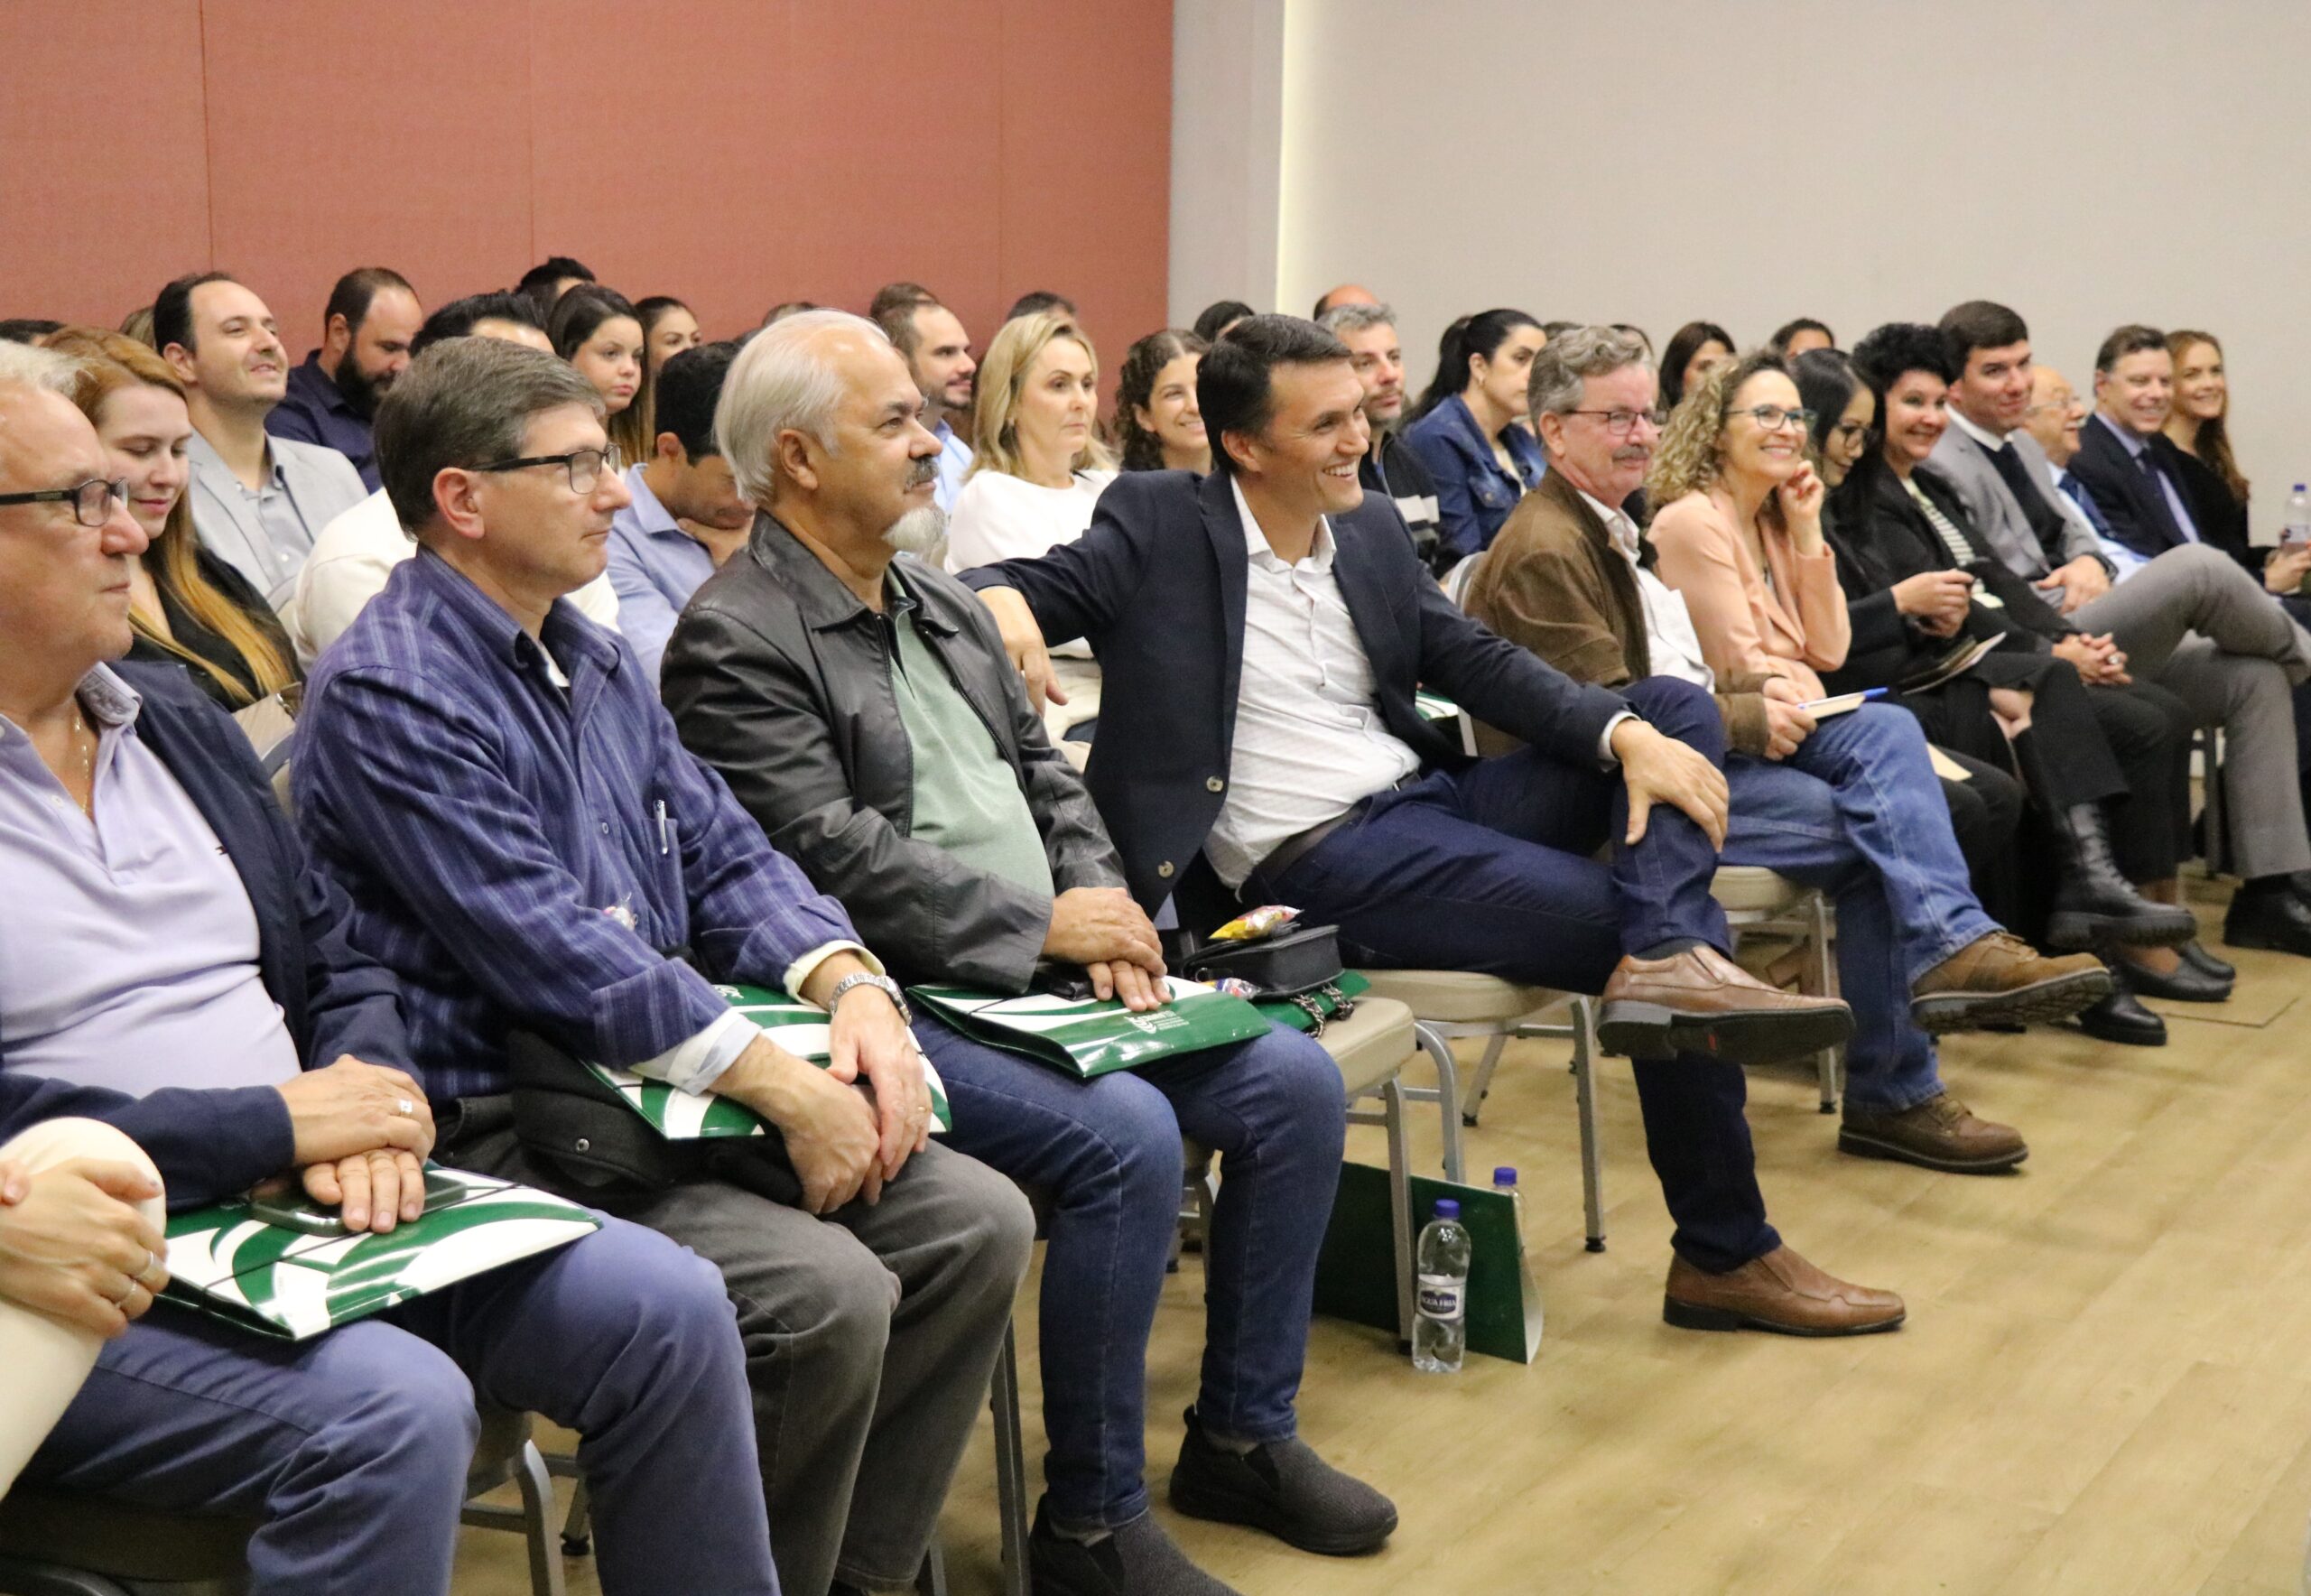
{"x": 1224, "y": 529}
{"x": 1361, "y": 589}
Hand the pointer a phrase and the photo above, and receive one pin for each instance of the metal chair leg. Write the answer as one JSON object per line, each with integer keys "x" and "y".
{"x": 578, "y": 1529}
{"x": 1447, "y": 1093}
{"x": 1392, "y": 1102}
{"x": 1826, "y": 984}
{"x": 1010, "y": 1466}
{"x": 537, "y": 1504}
{"x": 931, "y": 1580}
{"x": 1472, "y": 1104}
{"x": 1584, "y": 1090}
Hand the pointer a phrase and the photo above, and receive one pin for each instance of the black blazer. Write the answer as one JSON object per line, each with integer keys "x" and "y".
{"x": 2220, "y": 517}
{"x": 333, "y": 1000}
{"x": 1157, "y": 587}
{"x": 2131, "y": 502}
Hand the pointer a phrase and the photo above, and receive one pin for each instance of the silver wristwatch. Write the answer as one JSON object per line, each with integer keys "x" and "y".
{"x": 881, "y": 983}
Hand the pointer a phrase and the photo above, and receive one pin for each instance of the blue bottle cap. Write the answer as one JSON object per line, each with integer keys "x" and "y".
{"x": 1504, "y": 1177}
{"x": 1447, "y": 1209}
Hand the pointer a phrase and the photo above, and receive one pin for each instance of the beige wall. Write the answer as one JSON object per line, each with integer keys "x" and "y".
{"x": 1748, "y": 160}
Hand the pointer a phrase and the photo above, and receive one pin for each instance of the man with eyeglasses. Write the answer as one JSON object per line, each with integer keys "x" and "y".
{"x": 492, "y": 781}
{"x": 1848, "y": 802}
{"x": 1391, "y": 467}
{"x": 2190, "y": 620}
{"x": 175, "y": 969}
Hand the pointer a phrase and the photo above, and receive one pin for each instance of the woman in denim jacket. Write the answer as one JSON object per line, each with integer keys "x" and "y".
{"x": 1469, "y": 430}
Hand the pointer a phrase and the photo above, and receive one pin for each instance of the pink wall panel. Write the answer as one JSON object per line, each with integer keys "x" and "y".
{"x": 735, "y": 152}
{"x": 357, "y": 135}
{"x": 104, "y": 185}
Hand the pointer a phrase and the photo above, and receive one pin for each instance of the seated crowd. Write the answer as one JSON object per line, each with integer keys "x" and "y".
{"x": 627, "y": 666}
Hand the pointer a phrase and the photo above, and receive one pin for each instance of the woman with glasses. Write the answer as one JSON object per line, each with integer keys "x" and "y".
{"x": 597, "y": 330}
{"x": 1738, "y": 525}
{"x": 187, "y": 606}
{"x": 1469, "y": 428}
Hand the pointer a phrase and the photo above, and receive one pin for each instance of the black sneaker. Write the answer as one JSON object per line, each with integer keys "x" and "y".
{"x": 1137, "y": 1560}
{"x": 1284, "y": 1488}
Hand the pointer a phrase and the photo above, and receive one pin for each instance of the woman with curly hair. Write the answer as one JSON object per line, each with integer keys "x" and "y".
{"x": 1157, "y": 421}
{"x": 1738, "y": 525}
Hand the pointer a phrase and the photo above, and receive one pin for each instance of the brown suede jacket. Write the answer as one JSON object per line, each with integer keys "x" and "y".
{"x": 1554, "y": 583}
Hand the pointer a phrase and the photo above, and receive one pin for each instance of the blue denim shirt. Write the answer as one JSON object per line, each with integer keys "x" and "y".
{"x": 314, "y": 411}
{"x": 655, "y": 566}
{"x": 1474, "y": 494}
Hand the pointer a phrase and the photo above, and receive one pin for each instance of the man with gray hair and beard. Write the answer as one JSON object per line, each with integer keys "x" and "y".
{"x": 862, "y": 707}
{"x": 490, "y": 777}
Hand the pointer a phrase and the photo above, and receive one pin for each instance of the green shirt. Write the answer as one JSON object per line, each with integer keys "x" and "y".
{"x": 966, "y": 798}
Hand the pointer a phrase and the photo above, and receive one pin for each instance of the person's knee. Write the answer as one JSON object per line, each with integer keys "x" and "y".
{"x": 1299, "y": 1077}
{"x": 404, "y": 1409}
{"x": 1682, "y": 710}
{"x": 993, "y": 1225}
{"x": 649, "y": 1290}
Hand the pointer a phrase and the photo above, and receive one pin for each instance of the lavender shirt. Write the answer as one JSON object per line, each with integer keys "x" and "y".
{"x": 128, "y": 956}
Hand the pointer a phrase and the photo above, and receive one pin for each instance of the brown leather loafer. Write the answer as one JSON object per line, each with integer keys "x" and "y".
{"x": 1781, "y": 1293}
{"x": 1700, "y": 1001}
{"x": 1941, "y": 1133}
{"x": 2001, "y": 980}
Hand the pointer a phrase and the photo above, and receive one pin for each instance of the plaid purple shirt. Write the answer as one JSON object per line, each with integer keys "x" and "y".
{"x": 502, "y": 842}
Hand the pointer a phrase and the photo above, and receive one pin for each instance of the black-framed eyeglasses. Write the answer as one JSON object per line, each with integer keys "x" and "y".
{"x": 91, "y": 501}
{"x": 585, "y": 465}
{"x": 1620, "y": 424}
{"x": 1773, "y": 418}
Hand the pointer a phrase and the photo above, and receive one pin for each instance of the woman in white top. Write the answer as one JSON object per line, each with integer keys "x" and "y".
{"x": 1037, "y": 468}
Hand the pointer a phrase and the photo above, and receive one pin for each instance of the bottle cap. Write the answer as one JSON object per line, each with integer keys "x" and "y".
{"x": 1447, "y": 1209}
{"x": 1504, "y": 1175}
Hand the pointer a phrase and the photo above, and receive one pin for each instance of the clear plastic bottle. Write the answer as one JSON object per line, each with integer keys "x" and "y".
{"x": 1440, "y": 1326}
{"x": 1504, "y": 1180}
{"x": 2296, "y": 528}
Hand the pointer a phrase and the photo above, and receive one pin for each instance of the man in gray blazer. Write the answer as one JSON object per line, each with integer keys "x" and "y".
{"x": 258, "y": 501}
{"x": 2192, "y": 619}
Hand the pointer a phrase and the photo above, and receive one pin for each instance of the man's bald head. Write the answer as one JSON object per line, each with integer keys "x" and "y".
{"x": 1347, "y": 293}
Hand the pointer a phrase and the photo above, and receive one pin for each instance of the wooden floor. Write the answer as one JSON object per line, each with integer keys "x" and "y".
{"x": 2104, "y": 1385}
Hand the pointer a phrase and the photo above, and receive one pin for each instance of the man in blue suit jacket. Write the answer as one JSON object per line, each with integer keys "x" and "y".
{"x": 164, "y": 935}
{"x": 1261, "y": 636}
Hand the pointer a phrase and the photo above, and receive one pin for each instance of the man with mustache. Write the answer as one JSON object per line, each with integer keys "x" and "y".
{"x": 1849, "y": 803}
{"x": 493, "y": 781}
{"x": 373, "y": 315}
{"x": 258, "y": 501}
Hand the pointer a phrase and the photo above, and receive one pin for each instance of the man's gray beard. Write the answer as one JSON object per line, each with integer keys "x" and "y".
{"x": 918, "y": 531}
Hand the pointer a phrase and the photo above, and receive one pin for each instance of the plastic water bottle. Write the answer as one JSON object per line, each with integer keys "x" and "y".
{"x": 1504, "y": 1180}
{"x": 1440, "y": 1326}
{"x": 2296, "y": 530}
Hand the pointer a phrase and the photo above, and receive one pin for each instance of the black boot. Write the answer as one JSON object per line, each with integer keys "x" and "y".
{"x": 2205, "y": 963}
{"x": 2266, "y": 913}
{"x": 2120, "y": 1019}
{"x": 2093, "y": 903}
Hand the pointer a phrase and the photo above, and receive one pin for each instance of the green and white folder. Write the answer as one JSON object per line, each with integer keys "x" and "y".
{"x": 1086, "y": 1037}
{"x": 799, "y": 1028}
{"x": 289, "y": 1284}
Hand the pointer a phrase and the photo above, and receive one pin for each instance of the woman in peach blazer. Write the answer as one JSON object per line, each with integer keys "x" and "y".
{"x": 1738, "y": 531}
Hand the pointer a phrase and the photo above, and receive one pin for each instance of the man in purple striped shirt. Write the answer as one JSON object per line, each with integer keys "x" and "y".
{"x": 492, "y": 781}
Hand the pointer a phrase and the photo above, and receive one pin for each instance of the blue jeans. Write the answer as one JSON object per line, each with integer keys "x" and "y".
{"x": 1859, "y": 812}
{"x": 1107, "y": 1152}
{"x": 1490, "y": 869}
{"x": 353, "y": 1446}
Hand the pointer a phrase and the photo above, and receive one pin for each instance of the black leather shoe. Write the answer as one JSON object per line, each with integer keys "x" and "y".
{"x": 2185, "y": 985}
{"x": 2120, "y": 1019}
{"x": 2197, "y": 956}
{"x": 1284, "y": 1488}
{"x": 2274, "y": 922}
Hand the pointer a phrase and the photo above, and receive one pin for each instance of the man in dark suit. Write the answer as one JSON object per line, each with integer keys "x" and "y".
{"x": 1261, "y": 635}
{"x": 176, "y": 971}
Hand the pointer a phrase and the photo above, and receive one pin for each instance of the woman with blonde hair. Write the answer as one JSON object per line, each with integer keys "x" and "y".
{"x": 1038, "y": 467}
{"x": 186, "y": 604}
{"x": 2199, "y": 425}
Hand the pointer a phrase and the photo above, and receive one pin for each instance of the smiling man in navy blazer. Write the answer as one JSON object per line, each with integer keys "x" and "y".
{"x": 1262, "y": 633}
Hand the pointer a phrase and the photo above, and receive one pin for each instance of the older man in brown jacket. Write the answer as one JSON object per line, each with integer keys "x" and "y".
{"x": 1845, "y": 799}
